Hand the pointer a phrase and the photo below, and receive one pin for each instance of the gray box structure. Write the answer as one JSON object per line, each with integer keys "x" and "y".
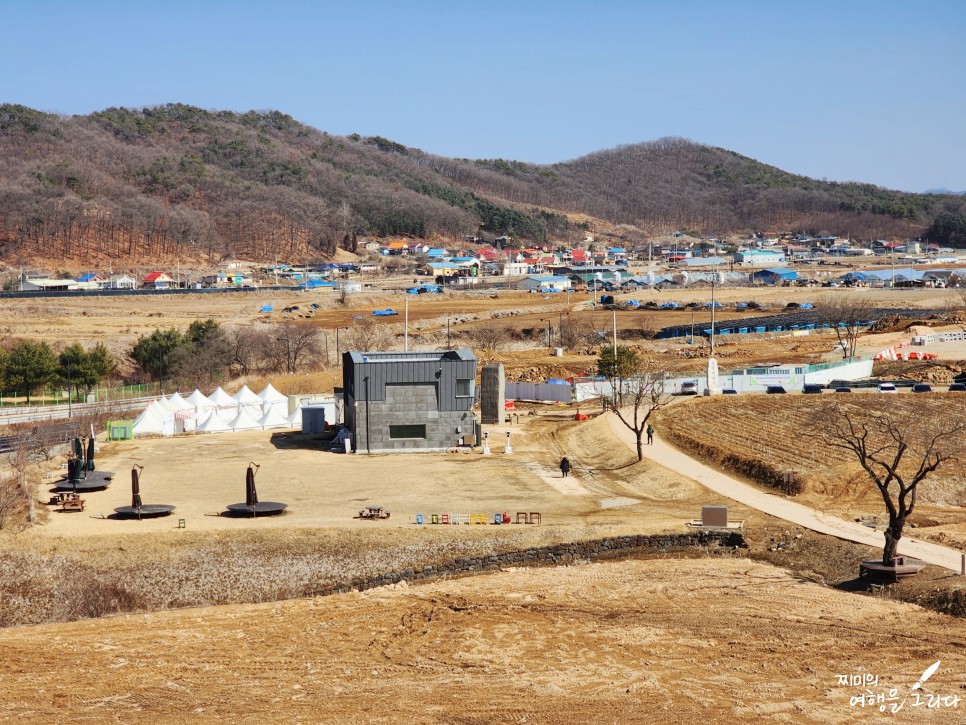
{"x": 492, "y": 394}
{"x": 409, "y": 401}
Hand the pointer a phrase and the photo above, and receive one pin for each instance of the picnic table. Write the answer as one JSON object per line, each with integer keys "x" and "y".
{"x": 69, "y": 501}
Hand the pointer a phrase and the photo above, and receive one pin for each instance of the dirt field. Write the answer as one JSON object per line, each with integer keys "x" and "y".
{"x": 785, "y": 437}
{"x": 201, "y": 474}
{"x": 655, "y": 641}
{"x": 638, "y": 641}
{"x": 119, "y": 321}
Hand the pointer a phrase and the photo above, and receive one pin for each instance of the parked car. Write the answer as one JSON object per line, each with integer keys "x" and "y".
{"x": 812, "y": 389}
{"x": 689, "y": 387}
{"x": 922, "y": 388}
{"x": 886, "y": 388}
{"x": 729, "y": 391}
{"x": 774, "y": 390}
{"x": 843, "y": 389}
{"x": 957, "y": 388}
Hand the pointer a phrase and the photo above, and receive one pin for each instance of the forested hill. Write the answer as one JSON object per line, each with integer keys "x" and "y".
{"x": 143, "y": 184}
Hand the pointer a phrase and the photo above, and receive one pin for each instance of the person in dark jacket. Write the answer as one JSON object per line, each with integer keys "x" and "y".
{"x": 564, "y": 466}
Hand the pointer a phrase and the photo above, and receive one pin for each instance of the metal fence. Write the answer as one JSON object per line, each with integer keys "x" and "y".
{"x": 539, "y": 391}
{"x": 58, "y": 396}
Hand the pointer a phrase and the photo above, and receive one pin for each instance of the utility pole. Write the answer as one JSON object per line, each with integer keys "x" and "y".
{"x": 406, "y": 327}
{"x": 549, "y": 323}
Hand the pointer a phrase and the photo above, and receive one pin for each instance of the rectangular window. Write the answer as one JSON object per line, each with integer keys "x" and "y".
{"x": 407, "y": 431}
{"x": 464, "y": 387}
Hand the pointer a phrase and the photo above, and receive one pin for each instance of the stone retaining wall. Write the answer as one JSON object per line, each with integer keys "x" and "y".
{"x": 721, "y": 542}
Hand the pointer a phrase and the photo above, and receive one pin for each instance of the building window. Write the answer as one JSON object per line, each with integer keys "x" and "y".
{"x": 464, "y": 387}
{"x": 407, "y": 431}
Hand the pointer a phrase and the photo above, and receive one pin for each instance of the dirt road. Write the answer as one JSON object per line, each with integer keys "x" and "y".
{"x": 779, "y": 507}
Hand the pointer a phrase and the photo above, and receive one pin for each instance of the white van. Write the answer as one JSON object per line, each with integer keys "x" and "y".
{"x": 887, "y": 388}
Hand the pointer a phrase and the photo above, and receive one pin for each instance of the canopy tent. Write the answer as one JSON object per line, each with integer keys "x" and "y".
{"x": 212, "y": 424}
{"x": 154, "y": 420}
{"x": 200, "y": 401}
{"x": 295, "y": 418}
{"x": 243, "y": 421}
{"x": 185, "y": 421}
{"x": 246, "y": 397}
{"x": 227, "y": 406}
{"x": 271, "y": 398}
{"x": 167, "y": 405}
{"x": 274, "y": 418}
{"x": 222, "y": 399}
{"x": 179, "y": 402}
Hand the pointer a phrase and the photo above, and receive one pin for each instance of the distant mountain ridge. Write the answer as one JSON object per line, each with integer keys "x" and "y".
{"x": 176, "y": 180}
{"x": 945, "y": 191}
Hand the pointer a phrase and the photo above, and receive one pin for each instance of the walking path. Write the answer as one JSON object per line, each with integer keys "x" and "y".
{"x": 782, "y": 508}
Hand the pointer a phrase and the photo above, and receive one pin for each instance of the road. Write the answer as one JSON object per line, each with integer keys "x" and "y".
{"x": 780, "y": 507}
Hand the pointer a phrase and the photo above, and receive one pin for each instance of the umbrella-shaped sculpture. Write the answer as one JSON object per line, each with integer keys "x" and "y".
{"x": 251, "y": 495}
{"x": 137, "y": 509}
{"x": 81, "y": 476}
{"x": 136, "y": 486}
{"x": 252, "y": 506}
{"x": 89, "y": 461}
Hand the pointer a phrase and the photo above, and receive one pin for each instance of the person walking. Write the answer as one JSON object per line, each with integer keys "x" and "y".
{"x": 564, "y": 467}
{"x": 650, "y": 435}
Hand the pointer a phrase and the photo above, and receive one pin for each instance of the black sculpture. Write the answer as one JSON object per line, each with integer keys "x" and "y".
{"x": 80, "y": 470}
{"x": 138, "y": 510}
{"x": 252, "y": 506}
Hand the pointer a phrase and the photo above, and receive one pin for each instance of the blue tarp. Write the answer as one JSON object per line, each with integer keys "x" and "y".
{"x": 266, "y": 308}
{"x": 669, "y": 305}
{"x": 557, "y": 381}
{"x": 388, "y": 312}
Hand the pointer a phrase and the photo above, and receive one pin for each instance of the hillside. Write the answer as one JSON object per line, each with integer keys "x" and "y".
{"x": 178, "y": 180}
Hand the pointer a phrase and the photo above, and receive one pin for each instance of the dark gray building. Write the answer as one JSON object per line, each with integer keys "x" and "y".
{"x": 409, "y": 401}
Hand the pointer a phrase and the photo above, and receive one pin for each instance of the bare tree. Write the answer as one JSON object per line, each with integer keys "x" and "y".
{"x": 897, "y": 451}
{"x": 23, "y": 453}
{"x": 366, "y": 335}
{"x": 486, "y": 337}
{"x": 846, "y": 314}
{"x": 637, "y": 389}
{"x": 297, "y": 342}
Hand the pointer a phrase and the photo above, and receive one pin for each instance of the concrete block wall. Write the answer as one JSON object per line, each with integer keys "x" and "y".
{"x": 492, "y": 394}
{"x": 414, "y": 404}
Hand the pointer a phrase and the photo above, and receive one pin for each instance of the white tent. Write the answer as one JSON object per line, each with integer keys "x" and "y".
{"x": 166, "y": 404}
{"x": 222, "y": 399}
{"x": 295, "y": 419}
{"x": 179, "y": 402}
{"x": 227, "y": 406}
{"x": 273, "y": 418}
{"x": 246, "y": 397}
{"x": 212, "y": 424}
{"x": 244, "y": 421}
{"x": 155, "y": 420}
{"x": 271, "y": 398}
{"x": 200, "y": 401}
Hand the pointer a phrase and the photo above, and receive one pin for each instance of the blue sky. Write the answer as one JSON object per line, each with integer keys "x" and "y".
{"x": 855, "y": 90}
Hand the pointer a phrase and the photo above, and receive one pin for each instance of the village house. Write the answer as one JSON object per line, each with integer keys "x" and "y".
{"x": 157, "y": 280}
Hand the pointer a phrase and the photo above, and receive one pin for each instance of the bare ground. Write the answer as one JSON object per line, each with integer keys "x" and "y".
{"x": 655, "y": 641}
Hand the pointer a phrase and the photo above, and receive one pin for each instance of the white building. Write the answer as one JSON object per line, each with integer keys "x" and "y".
{"x": 548, "y": 283}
